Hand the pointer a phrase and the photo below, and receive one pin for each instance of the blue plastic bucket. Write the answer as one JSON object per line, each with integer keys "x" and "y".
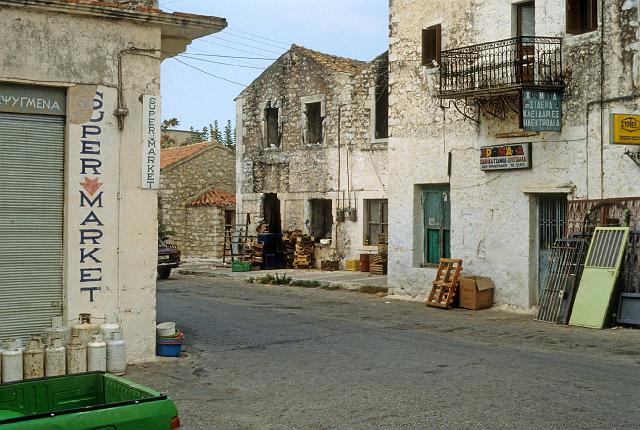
{"x": 168, "y": 348}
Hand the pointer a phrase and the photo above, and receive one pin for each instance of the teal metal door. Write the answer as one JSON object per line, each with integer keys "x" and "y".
{"x": 552, "y": 215}
{"x": 437, "y": 224}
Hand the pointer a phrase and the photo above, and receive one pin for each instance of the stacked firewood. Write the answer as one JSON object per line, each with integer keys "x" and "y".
{"x": 290, "y": 239}
{"x": 378, "y": 262}
{"x": 303, "y": 258}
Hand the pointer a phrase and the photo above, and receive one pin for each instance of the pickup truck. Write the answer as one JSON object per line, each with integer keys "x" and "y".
{"x": 91, "y": 401}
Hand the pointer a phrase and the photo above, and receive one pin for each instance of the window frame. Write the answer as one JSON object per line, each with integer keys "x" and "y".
{"x": 267, "y": 138}
{"x": 383, "y": 216}
{"x": 304, "y": 101}
{"x": 432, "y": 46}
{"x": 574, "y": 25}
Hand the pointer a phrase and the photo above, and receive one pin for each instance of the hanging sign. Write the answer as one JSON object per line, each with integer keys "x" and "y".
{"x": 541, "y": 110}
{"x": 504, "y": 157}
{"x": 624, "y": 129}
{"x": 150, "y": 142}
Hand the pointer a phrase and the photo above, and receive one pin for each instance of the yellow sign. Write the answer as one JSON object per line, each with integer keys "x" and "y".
{"x": 624, "y": 129}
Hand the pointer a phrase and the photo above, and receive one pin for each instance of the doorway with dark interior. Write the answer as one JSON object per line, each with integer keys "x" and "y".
{"x": 271, "y": 212}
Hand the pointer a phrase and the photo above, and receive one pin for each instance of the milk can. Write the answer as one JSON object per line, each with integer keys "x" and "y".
{"x": 76, "y": 356}
{"x": 12, "y": 366}
{"x": 96, "y": 355}
{"x": 55, "y": 360}
{"x": 110, "y": 325}
{"x": 116, "y": 356}
{"x": 84, "y": 328}
{"x": 57, "y": 329}
{"x": 33, "y": 359}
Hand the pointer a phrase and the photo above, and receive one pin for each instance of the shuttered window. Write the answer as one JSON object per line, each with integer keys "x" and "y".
{"x": 31, "y": 222}
{"x": 582, "y": 16}
{"x": 431, "y": 45}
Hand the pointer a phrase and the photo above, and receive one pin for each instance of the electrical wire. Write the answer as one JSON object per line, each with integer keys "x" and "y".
{"x": 209, "y": 74}
{"x": 244, "y": 44}
{"x": 219, "y": 62}
{"x": 227, "y": 56}
{"x": 233, "y": 48}
{"x": 256, "y": 35}
{"x": 273, "y": 45}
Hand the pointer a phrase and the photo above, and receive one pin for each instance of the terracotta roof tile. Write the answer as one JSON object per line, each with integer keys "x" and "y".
{"x": 171, "y": 156}
{"x": 339, "y": 64}
{"x": 213, "y": 197}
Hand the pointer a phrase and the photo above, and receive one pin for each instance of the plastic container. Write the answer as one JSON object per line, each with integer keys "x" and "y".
{"x": 76, "y": 356}
{"x": 241, "y": 266}
{"x": 55, "y": 359}
{"x": 12, "y": 364}
{"x": 33, "y": 359}
{"x": 116, "y": 354}
{"x": 166, "y": 329}
{"x": 97, "y": 355}
{"x": 352, "y": 265}
{"x": 168, "y": 348}
{"x": 85, "y": 329}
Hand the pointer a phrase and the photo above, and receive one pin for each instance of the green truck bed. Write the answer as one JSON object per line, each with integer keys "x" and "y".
{"x": 96, "y": 401}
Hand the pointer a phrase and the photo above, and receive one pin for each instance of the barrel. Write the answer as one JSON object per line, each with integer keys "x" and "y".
{"x": 364, "y": 262}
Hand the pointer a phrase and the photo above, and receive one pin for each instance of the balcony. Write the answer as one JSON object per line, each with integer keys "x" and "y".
{"x": 500, "y": 67}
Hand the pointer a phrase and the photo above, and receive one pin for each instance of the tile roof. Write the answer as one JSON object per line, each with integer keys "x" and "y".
{"x": 339, "y": 64}
{"x": 172, "y": 156}
{"x": 213, "y": 197}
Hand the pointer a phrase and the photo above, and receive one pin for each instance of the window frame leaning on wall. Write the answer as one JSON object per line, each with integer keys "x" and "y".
{"x": 304, "y": 123}
{"x": 382, "y": 222}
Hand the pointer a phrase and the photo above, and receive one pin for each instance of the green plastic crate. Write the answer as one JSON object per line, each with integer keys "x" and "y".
{"x": 241, "y": 266}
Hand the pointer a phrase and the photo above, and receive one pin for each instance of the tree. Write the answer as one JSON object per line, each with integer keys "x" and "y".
{"x": 215, "y": 131}
{"x": 229, "y": 138}
{"x": 165, "y": 140}
{"x": 197, "y": 136}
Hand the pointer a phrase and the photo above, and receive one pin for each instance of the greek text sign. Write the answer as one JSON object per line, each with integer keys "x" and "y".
{"x": 624, "y": 129}
{"x": 503, "y": 157}
{"x": 541, "y": 110}
{"x": 150, "y": 142}
{"x": 32, "y": 99}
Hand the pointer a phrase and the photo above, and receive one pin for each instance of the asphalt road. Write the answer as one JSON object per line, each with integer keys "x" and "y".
{"x": 290, "y": 358}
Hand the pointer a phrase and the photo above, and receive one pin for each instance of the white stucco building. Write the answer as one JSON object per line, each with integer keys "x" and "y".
{"x": 79, "y": 160}
{"x": 475, "y": 86}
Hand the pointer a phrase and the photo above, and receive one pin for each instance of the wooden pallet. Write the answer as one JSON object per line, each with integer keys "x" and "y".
{"x": 378, "y": 264}
{"x": 303, "y": 257}
{"x": 446, "y": 283}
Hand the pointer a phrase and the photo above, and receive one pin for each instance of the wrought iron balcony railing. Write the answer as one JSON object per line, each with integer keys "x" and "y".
{"x": 520, "y": 62}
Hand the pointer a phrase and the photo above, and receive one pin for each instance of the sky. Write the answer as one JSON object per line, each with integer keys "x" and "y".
{"x": 262, "y": 29}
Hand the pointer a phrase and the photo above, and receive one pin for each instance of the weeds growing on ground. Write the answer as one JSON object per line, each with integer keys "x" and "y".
{"x": 372, "y": 289}
{"x": 278, "y": 279}
{"x": 304, "y": 283}
{"x": 331, "y": 287}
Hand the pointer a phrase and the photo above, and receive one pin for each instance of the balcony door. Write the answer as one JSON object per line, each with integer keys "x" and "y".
{"x": 525, "y": 27}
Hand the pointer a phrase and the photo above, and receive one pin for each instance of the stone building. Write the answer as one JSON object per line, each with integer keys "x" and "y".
{"x": 312, "y": 149}
{"x": 499, "y": 116}
{"x": 79, "y": 131}
{"x": 197, "y": 199}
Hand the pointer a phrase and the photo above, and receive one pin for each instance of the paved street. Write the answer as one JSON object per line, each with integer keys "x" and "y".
{"x": 262, "y": 357}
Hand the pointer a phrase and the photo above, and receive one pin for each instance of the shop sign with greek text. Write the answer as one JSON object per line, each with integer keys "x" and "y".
{"x": 32, "y": 99}
{"x": 151, "y": 141}
{"x": 624, "y": 129}
{"x": 504, "y": 157}
{"x": 541, "y": 110}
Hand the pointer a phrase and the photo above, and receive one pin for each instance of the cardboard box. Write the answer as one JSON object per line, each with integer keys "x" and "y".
{"x": 476, "y": 292}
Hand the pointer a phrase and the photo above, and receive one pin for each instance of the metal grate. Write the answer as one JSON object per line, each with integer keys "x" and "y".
{"x": 631, "y": 271}
{"x": 605, "y": 248}
{"x": 551, "y": 220}
{"x": 563, "y": 276}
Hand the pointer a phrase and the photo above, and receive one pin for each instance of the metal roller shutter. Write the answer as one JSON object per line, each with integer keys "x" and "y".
{"x": 31, "y": 222}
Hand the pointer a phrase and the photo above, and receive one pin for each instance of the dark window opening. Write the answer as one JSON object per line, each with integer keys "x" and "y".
{"x": 321, "y": 223}
{"x": 431, "y": 45}
{"x": 582, "y": 16}
{"x": 271, "y": 208}
{"x": 376, "y": 221}
{"x": 382, "y": 101}
{"x": 313, "y": 112}
{"x": 273, "y": 134}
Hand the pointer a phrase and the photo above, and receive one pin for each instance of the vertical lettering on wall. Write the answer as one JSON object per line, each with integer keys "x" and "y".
{"x": 150, "y": 142}
{"x": 91, "y": 228}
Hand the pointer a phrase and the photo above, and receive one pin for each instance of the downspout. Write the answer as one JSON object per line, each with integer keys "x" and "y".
{"x": 339, "y": 175}
{"x": 602, "y": 65}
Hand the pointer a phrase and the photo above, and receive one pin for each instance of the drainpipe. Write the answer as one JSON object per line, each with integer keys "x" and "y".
{"x": 602, "y": 78}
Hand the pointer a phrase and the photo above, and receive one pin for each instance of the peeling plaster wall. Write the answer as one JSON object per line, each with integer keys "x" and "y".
{"x": 493, "y": 214}
{"x": 180, "y": 183}
{"x": 298, "y": 172}
{"x": 39, "y": 48}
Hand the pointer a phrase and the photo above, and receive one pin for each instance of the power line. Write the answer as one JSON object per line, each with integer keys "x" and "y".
{"x": 219, "y": 62}
{"x": 255, "y": 40}
{"x": 233, "y": 48}
{"x": 257, "y": 35}
{"x": 244, "y": 44}
{"x": 203, "y": 54}
{"x": 210, "y": 74}
{"x": 169, "y": 2}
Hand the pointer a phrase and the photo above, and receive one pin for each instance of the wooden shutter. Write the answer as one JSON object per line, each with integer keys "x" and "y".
{"x": 573, "y": 16}
{"x": 593, "y": 16}
{"x": 431, "y": 45}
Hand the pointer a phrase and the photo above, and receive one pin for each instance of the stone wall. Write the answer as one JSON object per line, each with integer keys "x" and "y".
{"x": 204, "y": 232}
{"x": 494, "y": 214}
{"x": 298, "y": 171}
{"x": 213, "y": 167}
